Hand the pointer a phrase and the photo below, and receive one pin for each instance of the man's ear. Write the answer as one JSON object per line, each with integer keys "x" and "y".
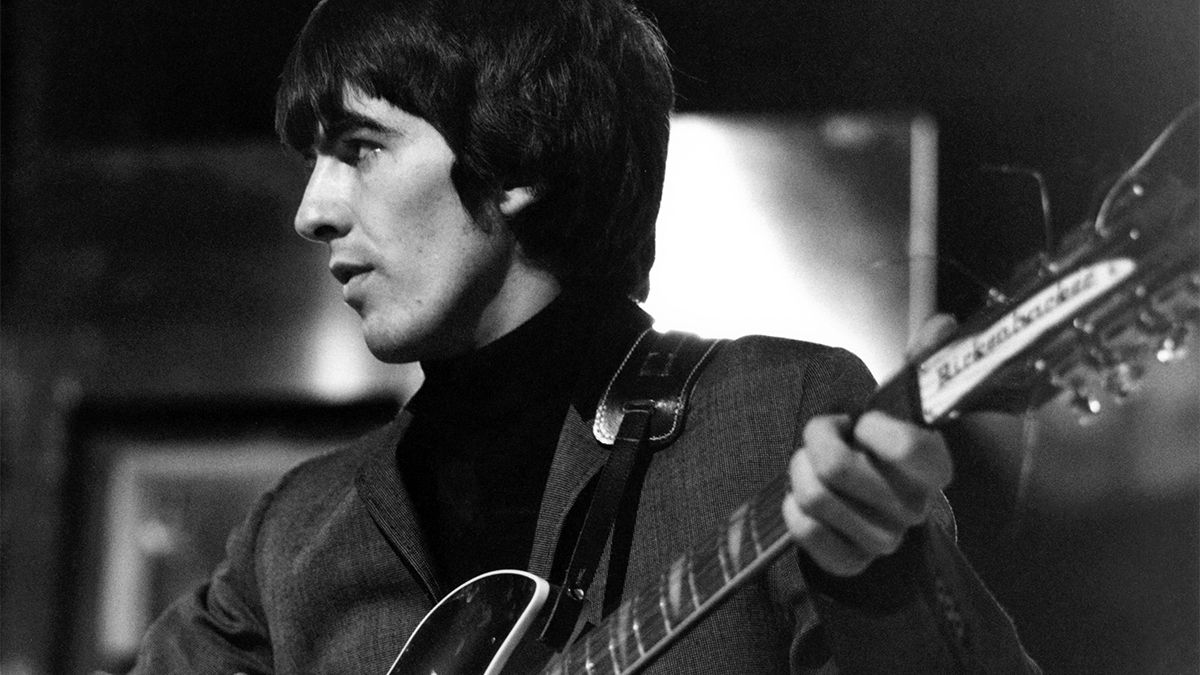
{"x": 515, "y": 199}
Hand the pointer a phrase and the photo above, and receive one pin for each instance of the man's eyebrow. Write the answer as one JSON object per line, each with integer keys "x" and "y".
{"x": 349, "y": 121}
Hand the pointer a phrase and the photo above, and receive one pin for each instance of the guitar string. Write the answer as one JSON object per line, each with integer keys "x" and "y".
{"x": 603, "y": 647}
{"x": 649, "y": 614}
{"x": 772, "y": 492}
{"x": 767, "y": 500}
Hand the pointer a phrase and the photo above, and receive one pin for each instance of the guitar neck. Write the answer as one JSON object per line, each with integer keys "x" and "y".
{"x": 699, "y": 580}
{"x": 1124, "y": 285}
{"x": 646, "y": 624}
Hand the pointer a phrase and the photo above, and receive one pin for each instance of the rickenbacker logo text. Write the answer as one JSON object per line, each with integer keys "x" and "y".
{"x": 955, "y": 370}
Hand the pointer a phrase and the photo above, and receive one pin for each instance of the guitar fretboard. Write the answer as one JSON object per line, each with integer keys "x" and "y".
{"x": 696, "y": 582}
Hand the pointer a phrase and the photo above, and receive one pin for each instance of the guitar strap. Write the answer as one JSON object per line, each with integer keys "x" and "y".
{"x": 641, "y": 411}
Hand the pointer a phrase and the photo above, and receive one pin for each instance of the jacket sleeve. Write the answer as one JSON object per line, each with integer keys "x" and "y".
{"x": 219, "y": 627}
{"x": 922, "y": 609}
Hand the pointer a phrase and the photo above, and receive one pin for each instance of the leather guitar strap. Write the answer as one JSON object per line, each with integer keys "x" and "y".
{"x": 642, "y": 410}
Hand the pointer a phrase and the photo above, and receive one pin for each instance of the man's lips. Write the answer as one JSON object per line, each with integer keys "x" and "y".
{"x": 344, "y": 271}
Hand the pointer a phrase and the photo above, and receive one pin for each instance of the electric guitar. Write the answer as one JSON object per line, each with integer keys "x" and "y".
{"x": 1125, "y": 286}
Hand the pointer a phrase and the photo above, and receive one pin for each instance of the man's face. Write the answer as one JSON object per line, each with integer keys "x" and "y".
{"x": 425, "y": 279}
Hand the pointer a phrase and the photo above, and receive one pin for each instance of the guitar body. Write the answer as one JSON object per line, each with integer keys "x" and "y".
{"x": 479, "y": 628}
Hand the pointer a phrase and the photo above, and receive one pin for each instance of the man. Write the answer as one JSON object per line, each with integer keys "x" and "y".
{"x": 486, "y": 177}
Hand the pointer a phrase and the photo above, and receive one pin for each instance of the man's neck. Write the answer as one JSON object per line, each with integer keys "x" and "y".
{"x": 525, "y": 291}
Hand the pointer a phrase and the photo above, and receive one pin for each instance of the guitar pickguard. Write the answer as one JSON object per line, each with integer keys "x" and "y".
{"x": 475, "y": 628}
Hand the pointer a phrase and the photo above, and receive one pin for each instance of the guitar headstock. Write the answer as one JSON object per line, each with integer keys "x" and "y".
{"x": 1123, "y": 289}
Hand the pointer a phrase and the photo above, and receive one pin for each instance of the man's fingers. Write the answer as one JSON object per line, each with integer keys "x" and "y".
{"x": 853, "y": 501}
{"x": 866, "y": 527}
{"x": 916, "y": 453}
{"x": 855, "y": 476}
{"x": 828, "y": 550}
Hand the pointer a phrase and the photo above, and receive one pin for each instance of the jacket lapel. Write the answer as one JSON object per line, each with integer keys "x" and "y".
{"x": 390, "y": 506}
{"x": 578, "y": 459}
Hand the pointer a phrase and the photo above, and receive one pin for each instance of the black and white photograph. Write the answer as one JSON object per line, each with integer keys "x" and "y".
{"x": 482, "y": 337}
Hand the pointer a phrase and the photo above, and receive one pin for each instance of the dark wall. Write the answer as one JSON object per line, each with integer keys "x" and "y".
{"x": 1072, "y": 90}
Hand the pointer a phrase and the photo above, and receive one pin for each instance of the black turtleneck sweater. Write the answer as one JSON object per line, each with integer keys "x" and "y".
{"x": 485, "y": 426}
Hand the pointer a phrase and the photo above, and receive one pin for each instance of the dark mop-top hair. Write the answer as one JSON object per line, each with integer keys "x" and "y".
{"x": 568, "y": 97}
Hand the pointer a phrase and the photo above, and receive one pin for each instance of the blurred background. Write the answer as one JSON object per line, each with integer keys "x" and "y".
{"x": 169, "y": 346}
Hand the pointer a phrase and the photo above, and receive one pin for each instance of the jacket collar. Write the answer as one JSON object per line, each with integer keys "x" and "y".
{"x": 579, "y": 456}
{"x": 382, "y": 491}
{"x": 577, "y": 459}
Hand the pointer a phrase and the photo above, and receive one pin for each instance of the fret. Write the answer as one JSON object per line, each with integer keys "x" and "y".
{"x": 736, "y": 536}
{"x": 723, "y": 561}
{"x": 752, "y": 544}
{"x": 652, "y": 632}
{"x": 743, "y": 546}
{"x": 621, "y": 631}
{"x": 768, "y": 515}
{"x": 637, "y": 632}
{"x": 662, "y": 606}
{"x": 751, "y": 522}
{"x": 617, "y": 662}
{"x": 691, "y": 576}
{"x": 599, "y": 650}
{"x": 675, "y": 586}
{"x": 709, "y": 574}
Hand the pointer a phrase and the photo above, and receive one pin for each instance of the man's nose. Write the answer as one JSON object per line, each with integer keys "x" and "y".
{"x": 323, "y": 214}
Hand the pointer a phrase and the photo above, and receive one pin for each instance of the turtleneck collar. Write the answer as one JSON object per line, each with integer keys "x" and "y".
{"x": 566, "y": 351}
{"x": 485, "y": 427}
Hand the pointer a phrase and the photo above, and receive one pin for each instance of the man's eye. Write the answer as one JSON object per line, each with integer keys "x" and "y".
{"x": 355, "y": 150}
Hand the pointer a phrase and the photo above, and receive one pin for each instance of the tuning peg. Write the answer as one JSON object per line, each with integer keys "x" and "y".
{"x": 1172, "y": 335}
{"x": 1123, "y": 379}
{"x": 1151, "y": 321}
{"x": 995, "y": 297}
{"x": 1084, "y": 403}
{"x": 1173, "y": 345}
{"x": 1047, "y": 267}
{"x": 1094, "y": 352}
{"x": 1099, "y": 357}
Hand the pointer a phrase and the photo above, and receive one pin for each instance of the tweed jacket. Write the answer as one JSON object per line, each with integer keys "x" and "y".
{"x": 329, "y": 573}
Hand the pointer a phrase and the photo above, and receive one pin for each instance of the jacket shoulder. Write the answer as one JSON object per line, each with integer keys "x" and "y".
{"x": 758, "y": 392}
{"x": 791, "y": 370}
{"x": 334, "y": 472}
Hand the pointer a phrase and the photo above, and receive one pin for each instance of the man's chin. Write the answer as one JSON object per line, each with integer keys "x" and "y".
{"x": 406, "y": 342}
{"x": 390, "y": 352}
{"x": 395, "y": 349}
